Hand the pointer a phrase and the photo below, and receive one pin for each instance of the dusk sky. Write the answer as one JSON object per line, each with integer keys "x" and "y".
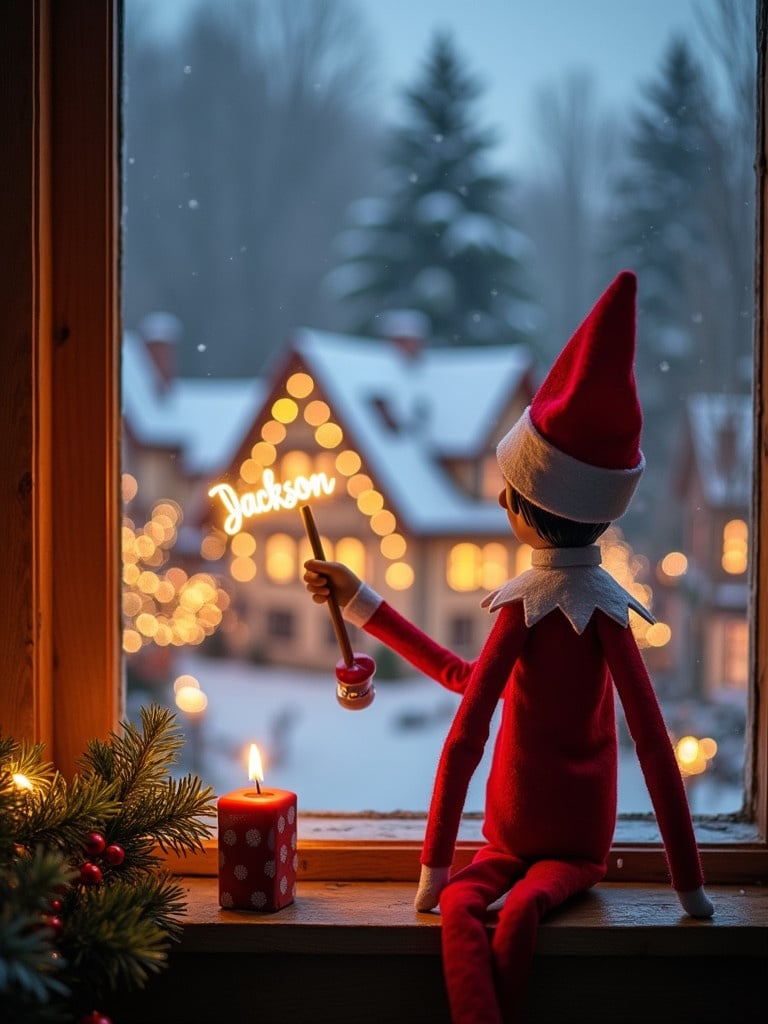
{"x": 517, "y": 46}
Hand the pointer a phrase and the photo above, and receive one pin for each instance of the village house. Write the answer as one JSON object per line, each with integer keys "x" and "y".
{"x": 715, "y": 486}
{"x": 391, "y": 442}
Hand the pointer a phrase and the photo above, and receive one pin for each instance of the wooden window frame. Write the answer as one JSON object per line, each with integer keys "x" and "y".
{"x": 59, "y": 417}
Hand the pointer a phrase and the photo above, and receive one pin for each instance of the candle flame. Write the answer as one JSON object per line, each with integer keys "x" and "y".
{"x": 255, "y": 770}
{"x": 21, "y": 781}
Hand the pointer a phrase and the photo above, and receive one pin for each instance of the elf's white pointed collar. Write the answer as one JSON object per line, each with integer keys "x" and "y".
{"x": 572, "y": 580}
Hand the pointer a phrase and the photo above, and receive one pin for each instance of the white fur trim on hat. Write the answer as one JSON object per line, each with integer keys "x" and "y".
{"x": 561, "y": 484}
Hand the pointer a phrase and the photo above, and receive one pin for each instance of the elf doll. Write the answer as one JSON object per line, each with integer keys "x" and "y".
{"x": 558, "y": 645}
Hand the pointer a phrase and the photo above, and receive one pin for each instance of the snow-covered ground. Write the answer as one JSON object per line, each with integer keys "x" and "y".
{"x": 382, "y": 758}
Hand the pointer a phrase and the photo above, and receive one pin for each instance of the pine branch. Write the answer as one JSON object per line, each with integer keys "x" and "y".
{"x": 112, "y": 940}
{"x": 25, "y": 759}
{"x": 35, "y": 878}
{"x": 172, "y": 814}
{"x": 61, "y": 815}
{"x": 139, "y": 758}
{"x": 114, "y": 933}
{"x": 30, "y": 965}
{"x": 163, "y": 901}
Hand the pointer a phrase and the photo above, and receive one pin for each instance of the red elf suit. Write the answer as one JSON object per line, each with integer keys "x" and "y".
{"x": 560, "y": 642}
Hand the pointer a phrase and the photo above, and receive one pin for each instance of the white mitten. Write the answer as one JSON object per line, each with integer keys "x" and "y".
{"x": 431, "y": 884}
{"x": 696, "y": 903}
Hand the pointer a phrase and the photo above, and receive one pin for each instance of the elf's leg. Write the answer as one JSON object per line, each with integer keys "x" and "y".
{"x": 467, "y": 962}
{"x": 546, "y": 884}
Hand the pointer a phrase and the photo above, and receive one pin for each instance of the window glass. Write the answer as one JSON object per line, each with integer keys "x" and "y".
{"x": 355, "y": 235}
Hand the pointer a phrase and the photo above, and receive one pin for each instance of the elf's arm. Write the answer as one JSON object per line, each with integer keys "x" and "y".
{"x": 464, "y": 747}
{"x": 657, "y": 760}
{"x": 363, "y": 607}
{"x": 380, "y": 620}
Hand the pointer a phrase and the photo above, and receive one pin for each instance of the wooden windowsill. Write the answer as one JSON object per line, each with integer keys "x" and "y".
{"x": 378, "y": 918}
{"x": 354, "y": 951}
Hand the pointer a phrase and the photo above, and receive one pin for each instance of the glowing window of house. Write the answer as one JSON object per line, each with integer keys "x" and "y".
{"x": 735, "y": 547}
{"x": 280, "y": 557}
{"x": 351, "y": 551}
{"x": 296, "y": 463}
{"x": 735, "y": 654}
{"x": 495, "y": 566}
{"x": 463, "y": 566}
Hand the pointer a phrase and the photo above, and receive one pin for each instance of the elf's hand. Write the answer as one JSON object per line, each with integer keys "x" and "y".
{"x": 321, "y": 576}
{"x": 696, "y": 903}
{"x": 431, "y": 884}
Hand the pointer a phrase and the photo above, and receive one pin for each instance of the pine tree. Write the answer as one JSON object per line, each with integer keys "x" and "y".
{"x": 660, "y": 227}
{"x": 86, "y": 910}
{"x": 660, "y": 214}
{"x": 438, "y": 239}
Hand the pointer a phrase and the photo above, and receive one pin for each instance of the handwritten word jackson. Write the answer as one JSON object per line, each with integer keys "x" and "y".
{"x": 270, "y": 497}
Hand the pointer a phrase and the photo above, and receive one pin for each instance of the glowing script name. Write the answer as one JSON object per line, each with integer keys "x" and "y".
{"x": 270, "y": 497}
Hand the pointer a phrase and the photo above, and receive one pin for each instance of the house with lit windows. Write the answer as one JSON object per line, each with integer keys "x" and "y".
{"x": 391, "y": 442}
{"x": 393, "y": 445}
{"x": 715, "y": 485}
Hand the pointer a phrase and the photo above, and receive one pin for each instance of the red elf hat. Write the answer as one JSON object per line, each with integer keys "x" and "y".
{"x": 575, "y": 451}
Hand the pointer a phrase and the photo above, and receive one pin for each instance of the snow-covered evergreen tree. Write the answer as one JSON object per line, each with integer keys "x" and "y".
{"x": 660, "y": 221}
{"x": 659, "y": 227}
{"x": 439, "y": 237}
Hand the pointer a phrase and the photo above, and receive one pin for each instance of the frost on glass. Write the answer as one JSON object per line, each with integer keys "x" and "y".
{"x": 351, "y": 245}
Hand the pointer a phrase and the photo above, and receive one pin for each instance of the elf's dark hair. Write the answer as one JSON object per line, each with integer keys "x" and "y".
{"x": 557, "y": 530}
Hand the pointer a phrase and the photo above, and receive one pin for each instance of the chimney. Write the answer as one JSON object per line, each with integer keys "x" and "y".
{"x": 407, "y": 329}
{"x": 162, "y": 333}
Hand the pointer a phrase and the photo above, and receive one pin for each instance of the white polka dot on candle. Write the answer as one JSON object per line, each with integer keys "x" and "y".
{"x": 226, "y": 899}
{"x": 283, "y": 885}
{"x": 291, "y": 815}
{"x": 230, "y": 837}
{"x": 253, "y": 837}
{"x": 269, "y": 869}
{"x": 283, "y": 854}
{"x": 241, "y": 872}
{"x": 259, "y": 899}
{"x": 281, "y": 824}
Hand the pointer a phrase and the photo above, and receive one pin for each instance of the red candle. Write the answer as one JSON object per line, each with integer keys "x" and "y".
{"x": 257, "y": 845}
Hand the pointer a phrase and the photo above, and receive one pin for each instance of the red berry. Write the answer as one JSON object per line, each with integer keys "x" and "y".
{"x": 53, "y": 922}
{"x": 94, "y": 1017}
{"x": 55, "y": 906}
{"x": 114, "y": 855}
{"x": 90, "y": 874}
{"x": 94, "y": 844}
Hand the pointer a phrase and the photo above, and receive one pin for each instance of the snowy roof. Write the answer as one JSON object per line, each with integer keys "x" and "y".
{"x": 407, "y": 413}
{"x": 205, "y": 418}
{"x": 722, "y": 438}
